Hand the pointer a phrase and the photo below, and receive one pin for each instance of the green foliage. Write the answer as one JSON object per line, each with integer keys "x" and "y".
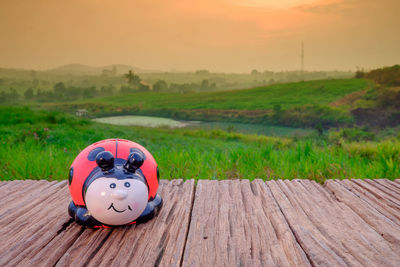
{"x": 360, "y": 74}
{"x": 380, "y": 106}
{"x": 29, "y": 94}
{"x": 313, "y": 116}
{"x": 133, "y": 79}
{"x": 25, "y": 116}
{"x": 160, "y": 85}
{"x": 76, "y": 75}
{"x": 389, "y": 76}
{"x": 9, "y": 97}
{"x": 292, "y": 100}
{"x": 38, "y": 148}
{"x": 388, "y": 97}
{"x": 351, "y": 134}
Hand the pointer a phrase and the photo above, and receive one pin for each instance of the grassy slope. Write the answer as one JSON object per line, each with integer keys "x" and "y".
{"x": 42, "y": 145}
{"x": 287, "y": 95}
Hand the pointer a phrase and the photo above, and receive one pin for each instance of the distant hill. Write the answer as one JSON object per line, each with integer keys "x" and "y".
{"x": 80, "y": 69}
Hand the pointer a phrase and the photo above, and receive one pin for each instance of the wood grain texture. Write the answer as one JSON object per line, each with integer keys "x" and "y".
{"x": 330, "y": 232}
{"x": 158, "y": 242}
{"x": 22, "y": 195}
{"x": 363, "y": 199}
{"x": 34, "y": 224}
{"x": 238, "y": 223}
{"x": 232, "y": 222}
{"x": 381, "y": 218}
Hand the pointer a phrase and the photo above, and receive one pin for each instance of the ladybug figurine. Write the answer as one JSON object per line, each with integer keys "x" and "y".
{"x": 113, "y": 182}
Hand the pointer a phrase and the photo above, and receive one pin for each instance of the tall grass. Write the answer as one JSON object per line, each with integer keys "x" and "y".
{"x": 44, "y": 149}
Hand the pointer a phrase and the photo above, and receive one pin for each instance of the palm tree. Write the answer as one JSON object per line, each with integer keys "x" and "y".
{"x": 133, "y": 79}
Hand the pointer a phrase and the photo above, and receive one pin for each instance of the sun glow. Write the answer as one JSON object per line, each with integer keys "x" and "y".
{"x": 272, "y": 3}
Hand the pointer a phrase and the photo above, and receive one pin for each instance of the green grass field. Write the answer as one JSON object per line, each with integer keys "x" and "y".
{"x": 287, "y": 95}
{"x": 42, "y": 145}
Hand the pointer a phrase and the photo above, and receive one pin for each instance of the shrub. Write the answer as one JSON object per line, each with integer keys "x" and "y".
{"x": 313, "y": 115}
{"x": 352, "y": 135}
{"x": 386, "y": 76}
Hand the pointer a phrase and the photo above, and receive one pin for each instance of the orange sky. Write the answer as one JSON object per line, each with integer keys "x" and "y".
{"x": 220, "y": 35}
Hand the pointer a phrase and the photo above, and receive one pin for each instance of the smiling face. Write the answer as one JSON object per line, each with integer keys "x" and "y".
{"x": 116, "y": 202}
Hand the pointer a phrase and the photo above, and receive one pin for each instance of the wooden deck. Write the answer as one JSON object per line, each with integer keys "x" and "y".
{"x": 212, "y": 223}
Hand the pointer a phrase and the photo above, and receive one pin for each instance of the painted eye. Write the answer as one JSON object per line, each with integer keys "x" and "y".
{"x": 113, "y": 185}
{"x": 127, "y": 184}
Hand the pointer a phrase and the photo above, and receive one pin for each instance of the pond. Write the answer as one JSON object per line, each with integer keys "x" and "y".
{"x": 154, "y": 122}
{"x": 145, "y": 121}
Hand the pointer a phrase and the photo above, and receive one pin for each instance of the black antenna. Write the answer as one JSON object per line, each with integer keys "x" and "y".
{"x": 134, "y": 161}
{"x": 105, "y": 160}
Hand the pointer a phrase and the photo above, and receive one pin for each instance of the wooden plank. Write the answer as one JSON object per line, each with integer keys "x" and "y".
{"x": 50, "y": 254}
{"x": 27, "y": 232}
{"x": 26, "y": 193}
{"x": 349, "y": 239}
{"x": 29, "y": 204}
{"x": 380, "y": 185}
{"x": 318, "y": 247}
{"x": 12, "y": 186}
{"x": 84, "y": 248}
{"x": 382, "y": 196}
{"x": 389, "y": 185}
{"x": 238, "y": 223}
{"x": 285, "y": 223}
{"x": 372, "y": 219}
{"x": 371, "y": 201}
{"x": 158, "y": 242}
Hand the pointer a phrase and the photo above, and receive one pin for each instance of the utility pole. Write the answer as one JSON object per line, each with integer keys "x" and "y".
{"x": 302, "y": 58}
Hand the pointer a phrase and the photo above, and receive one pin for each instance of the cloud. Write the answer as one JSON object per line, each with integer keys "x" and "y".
{"x": 270, "y": 3}
{"x": 324, "y": 7}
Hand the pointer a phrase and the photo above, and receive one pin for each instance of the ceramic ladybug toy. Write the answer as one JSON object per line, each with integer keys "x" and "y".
{"x": 113, "y": 182}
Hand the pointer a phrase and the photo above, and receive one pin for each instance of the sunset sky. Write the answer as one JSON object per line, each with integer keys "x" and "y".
{"x": 219, "y": 35}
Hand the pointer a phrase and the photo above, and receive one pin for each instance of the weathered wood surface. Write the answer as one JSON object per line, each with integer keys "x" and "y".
{"x": 214, "y": 223}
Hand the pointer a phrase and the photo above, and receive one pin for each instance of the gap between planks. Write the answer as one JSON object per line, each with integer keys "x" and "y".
{"x": 274, "y": 222}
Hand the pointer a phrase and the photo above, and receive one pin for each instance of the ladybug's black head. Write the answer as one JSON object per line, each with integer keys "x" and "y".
{"x": 118, "y": 168}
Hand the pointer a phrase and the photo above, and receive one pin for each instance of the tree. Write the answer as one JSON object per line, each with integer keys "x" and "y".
{"x": 28, "y": 94}
{"x": 359, "y": 74}
{"x": 160, "y": 85}
{"x": 89, "y": 92}
{"x": 202, "y": 72}
{"x": 255, "y": 72}
{"x": 319, "y": 128}
{"x": 143, "y": 87}
{"x": 276, "y": 115}
{"x": 204, "y": 85}
{"x": 107, "y": 90}
{"x": 59, "y": 88}
{"x": 133, "y": 79}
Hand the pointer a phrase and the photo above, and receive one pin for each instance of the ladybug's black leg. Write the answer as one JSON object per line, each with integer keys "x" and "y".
{"x": 72, "y": 209}
{"x": 82, "y": 216}
{"x": 152, "y": 208}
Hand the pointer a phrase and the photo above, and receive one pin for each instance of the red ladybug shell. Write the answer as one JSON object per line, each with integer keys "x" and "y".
{"x": 84, "y": 164}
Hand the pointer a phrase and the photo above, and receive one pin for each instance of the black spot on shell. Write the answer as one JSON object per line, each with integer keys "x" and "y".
{"x": 71, "y": 174}
{"x": 137, "y": 150}
{"x": 92, "y": 155}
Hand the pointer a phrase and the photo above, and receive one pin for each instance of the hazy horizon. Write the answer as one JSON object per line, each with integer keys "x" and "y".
{"x": 219, "y": 35}
{"x": 101, "y": 67}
